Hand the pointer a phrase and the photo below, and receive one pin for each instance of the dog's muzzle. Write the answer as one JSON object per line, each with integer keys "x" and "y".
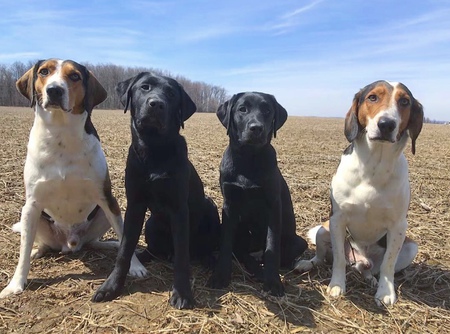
{"x": 55, "y": 96}
{"x": 386, "y": 128}
{"x": 153, "y": 114}
{"x": 254, "y": 135}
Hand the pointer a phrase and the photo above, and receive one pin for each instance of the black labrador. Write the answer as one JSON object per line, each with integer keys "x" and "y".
{"x": 257, "y": 212}
{"x": 160, "y": 177}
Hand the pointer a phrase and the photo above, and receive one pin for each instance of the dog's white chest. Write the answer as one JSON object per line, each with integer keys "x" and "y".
{"x": 370, "y": 198}
{"x": 64, "y": 171}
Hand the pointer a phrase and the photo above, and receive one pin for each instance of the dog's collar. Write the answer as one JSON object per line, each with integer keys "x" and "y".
{"x": 91, "y": 216}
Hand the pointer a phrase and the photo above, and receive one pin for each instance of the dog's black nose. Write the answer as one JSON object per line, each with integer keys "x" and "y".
{"x": 256, "y": 128}
{"x": 55, "y": 92}
{"x": 156, "y": 104}
{"x": 386, "y": 125}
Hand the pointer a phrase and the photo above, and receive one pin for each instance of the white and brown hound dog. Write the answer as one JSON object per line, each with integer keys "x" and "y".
{"x": 67, "y": 186}
{"x": 370, "y": 192}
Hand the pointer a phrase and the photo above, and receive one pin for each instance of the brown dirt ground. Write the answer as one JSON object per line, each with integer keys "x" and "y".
{"x": 57, "y": 297}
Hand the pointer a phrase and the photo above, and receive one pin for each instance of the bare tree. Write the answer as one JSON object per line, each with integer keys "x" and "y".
{"x": 207, "y": 97}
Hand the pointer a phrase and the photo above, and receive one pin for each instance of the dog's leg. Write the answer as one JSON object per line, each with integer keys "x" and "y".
{"x": 319, "y": 236}
{"x": 45, "y": 238}
{"x": 105, "y": 244}
{"x": 181, "y": 297}
{"x": 407, "y": 254}
{"x": 112, "y": 212}
{"x": 338, "y": 232}
{"x": 134, "y": 219}
{"x": 222, "y": 273}
{"x": 386, "y": 289}
{"x": 29, "y": 221}
{"x": 272, "y": 281}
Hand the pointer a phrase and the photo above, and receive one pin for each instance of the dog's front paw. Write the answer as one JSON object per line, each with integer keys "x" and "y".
{"x": 12, "y": 288}
{"x": 335, "y": 291}
{"x": 385, "y": 296}
{"x": 183, "y": 300}
{"x": 274, "y": 286}
{"x": 217, "y": 281}
{"x": 108, "y": 291}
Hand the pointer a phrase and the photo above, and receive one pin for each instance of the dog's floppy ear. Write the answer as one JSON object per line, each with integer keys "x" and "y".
{"x": 352, "y": 126}
{"x": 94, "y": 91}
{"x": 123, "y": 89}
{"x": 415, "y": 123}
{"x": 225, "y": 111}
{"x": 188, "y": 106}
{"x": 25, "y": 84}
{"x": 280, "y": 116}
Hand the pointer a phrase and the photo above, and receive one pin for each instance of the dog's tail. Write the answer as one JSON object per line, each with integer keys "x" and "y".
{"x": 312, "y": 233}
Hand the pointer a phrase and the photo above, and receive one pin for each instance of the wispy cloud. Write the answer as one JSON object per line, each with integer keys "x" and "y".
{"x": 300, "y": 10}
{"x": 291, "y": 19}
{"x": 11, "y": 57}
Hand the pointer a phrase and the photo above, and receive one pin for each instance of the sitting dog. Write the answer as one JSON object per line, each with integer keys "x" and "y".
{"x": 160, "y": 177}
{"x": 69, "y": 201}
{"x": 370, "y": 192}
{"x": 257, "y": 212}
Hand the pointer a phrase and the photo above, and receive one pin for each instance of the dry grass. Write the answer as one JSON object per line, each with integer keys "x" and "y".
{"x": 57, "y": 298}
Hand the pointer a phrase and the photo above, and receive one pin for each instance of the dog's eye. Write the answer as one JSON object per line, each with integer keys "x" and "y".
{"x": 372, "y": 98}
{"x": 44, "y": 72}
{"x": 145, "y": 87}
{"x": 404, "y": 102}
{"x": 266, "y": 110}
{"x": 74, "y": 77}
{"x": 242, "y": 109}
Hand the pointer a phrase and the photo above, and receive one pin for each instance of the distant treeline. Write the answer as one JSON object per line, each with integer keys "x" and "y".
{"x": 207, "y": 97}
{"x": 433, "y": 121}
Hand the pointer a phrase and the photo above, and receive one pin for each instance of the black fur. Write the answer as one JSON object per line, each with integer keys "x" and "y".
{"x": 160, "y": 177}
{"x": 257, "y": 214}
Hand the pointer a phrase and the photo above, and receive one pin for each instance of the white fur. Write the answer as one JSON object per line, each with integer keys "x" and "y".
{"x": 370, "y": 196}
{"x": 64, "y": 175}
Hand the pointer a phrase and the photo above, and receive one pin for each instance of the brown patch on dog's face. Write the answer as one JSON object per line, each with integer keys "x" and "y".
{"x": 44, "y": 71}
{"x": 73, "y": 76}
{"x": 404, "y": 102}
{"x": 374, "y": 99}
{"x": 75, "y": 89}
{"x": 384, "y": 110}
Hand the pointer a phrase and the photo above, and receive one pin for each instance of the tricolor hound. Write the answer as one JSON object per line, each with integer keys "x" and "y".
{"x": 69, "y": 201}
{"x": 370, "y": 192}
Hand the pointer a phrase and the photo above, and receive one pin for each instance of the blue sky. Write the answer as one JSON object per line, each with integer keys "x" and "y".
{"x": 313, "y": 55}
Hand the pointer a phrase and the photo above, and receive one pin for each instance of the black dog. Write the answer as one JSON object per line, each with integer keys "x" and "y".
{"x": 160, "y": 177}
{"x": 257, "y": 211}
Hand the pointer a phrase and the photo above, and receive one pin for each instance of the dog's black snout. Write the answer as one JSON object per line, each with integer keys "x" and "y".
{"x": 386, "y": 125}
{"x": 156, "y": 104}
{"x": 55, "y": 92}
{"x": 256, "y": 128}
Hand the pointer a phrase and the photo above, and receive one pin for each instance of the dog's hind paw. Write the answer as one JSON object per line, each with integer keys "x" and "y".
{"x": 303, "y": 266}
{"x": 137, "y": 269}
{"x": 182, "y": 302}
{"x": 17, "y": 227}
